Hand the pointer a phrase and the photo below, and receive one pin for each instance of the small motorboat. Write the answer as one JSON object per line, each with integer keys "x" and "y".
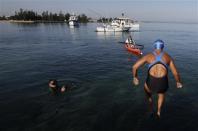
{"x": 73, "y": 20}
{"x": 133, "y": 49}
{"x": 121, "y": 24}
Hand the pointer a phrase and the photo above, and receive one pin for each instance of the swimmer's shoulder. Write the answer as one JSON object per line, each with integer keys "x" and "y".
{"x": 166, "y": 55}
{"x": 149, "y": 57}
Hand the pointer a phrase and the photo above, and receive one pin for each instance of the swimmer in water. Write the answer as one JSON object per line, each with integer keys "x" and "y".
{"x": 53, "y": 86}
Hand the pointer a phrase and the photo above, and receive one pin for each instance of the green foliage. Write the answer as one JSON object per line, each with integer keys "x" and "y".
{"x": 45, "y": 16}
{"x": 105, "y": 20}
{"x": 83, "y": 18}
{"x": 67, "y": 16}
{"x": 3, "y": 18}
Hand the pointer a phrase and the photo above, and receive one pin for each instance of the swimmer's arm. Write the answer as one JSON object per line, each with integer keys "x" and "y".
{"x": 139, "y": 63}
{"x": 174, "y": 71}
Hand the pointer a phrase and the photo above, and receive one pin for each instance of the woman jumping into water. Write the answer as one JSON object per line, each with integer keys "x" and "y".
{"x": 157, "y": 78}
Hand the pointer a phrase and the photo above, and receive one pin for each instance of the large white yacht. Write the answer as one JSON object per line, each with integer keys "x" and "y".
{"x": 119, "y": 24}
{"x": 73, "y": 20}
{"x": 126, "y": 22}
{"x": 112, "y": 28}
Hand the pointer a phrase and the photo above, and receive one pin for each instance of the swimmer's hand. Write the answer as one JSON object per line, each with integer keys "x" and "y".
{"x": 135, "y": 81}
{"x": 179, "y": 85}
{"x": 63, "y": 89}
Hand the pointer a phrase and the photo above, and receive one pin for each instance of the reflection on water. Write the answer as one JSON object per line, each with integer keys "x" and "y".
{"x": 106, "y": 35}
{"x": 72, "y": 29}
{"x": 118, "y": 35}
{"x": 71, "y": 26}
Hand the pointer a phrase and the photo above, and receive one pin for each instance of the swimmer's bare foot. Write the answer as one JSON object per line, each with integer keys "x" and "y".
{"x": 158, "y": 115}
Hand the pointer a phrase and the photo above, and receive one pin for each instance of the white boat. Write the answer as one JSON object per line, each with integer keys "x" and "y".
{"x": 120, "y": 24}
{"x": 110, "y": 28}
{"x": 73, "y": 20}
{"x": 126, "y": 22}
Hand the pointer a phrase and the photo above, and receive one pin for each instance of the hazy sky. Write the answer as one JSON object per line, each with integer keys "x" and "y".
{"x": 152, "y": 10}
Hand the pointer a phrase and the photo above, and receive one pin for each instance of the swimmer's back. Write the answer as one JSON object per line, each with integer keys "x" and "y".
{"x": 158, "y": 70}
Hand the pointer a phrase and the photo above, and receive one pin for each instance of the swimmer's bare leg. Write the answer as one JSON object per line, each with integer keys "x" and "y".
{"x": 161, "y": 98}
{"x": 149, "y": 97}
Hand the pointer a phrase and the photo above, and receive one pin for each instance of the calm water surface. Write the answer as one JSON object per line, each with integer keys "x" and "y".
{"x": 99, "y": 68}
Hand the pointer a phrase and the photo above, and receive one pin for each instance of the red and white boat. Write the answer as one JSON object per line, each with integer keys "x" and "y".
{"x": 133, "y": 49}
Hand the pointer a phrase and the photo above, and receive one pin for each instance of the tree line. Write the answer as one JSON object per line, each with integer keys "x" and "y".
{"x": 105, "y": 20}
{"x": 30, "y": 15}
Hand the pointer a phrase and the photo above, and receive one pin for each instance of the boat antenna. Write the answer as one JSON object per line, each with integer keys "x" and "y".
{"x": 132, "y": 39}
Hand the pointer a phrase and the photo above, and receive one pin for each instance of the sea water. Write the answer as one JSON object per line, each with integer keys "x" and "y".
{"x": 98, "y": 67}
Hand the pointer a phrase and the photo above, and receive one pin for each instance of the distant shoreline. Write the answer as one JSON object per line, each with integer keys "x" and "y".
{"x": 21, "y": 21}
{"x": 31, "y": 21}
{"x": 43, "y": 21}
{"x": 37, "y": 21}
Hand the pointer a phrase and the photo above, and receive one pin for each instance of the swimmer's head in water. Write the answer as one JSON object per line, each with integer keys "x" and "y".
{"x": 159, "y": 44}
{"x": 53, "y": 81}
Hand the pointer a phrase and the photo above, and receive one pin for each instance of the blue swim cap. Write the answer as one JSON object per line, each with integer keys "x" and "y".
{"x": 159, "y": 44}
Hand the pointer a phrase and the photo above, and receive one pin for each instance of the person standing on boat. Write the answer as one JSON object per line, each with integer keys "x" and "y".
{"x": 157, "y": 78}
{"x": 130, "y": 42}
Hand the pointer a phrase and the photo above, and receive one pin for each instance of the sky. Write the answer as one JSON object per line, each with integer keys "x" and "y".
{"x": 141, "y": 10}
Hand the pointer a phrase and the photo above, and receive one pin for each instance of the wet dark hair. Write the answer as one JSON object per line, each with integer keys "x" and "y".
{"x": 54, "y": 81}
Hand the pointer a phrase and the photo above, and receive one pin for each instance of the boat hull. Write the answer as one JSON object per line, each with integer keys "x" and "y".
{"x": 111, "y": 29}
{"x": 134, "y": 27}
{"x": 73, "y": 23}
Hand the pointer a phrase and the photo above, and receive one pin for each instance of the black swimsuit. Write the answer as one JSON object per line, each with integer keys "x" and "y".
{"x": 159, "y": 85}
